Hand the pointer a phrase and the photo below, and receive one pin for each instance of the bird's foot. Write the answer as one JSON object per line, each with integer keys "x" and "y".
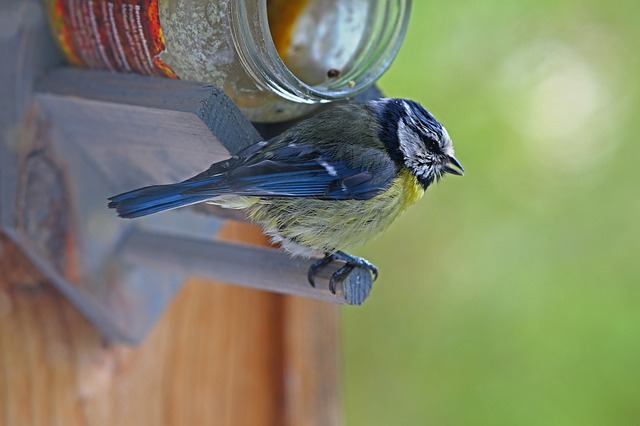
{"x": 339, "y": 276}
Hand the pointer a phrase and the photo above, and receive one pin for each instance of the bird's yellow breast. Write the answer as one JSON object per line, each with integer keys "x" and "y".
{"x": 335, "y": 224}
{"x": 411, "y": 189}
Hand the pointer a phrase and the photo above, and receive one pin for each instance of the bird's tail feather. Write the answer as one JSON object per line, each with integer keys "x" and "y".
{"x": 153, "y": 199}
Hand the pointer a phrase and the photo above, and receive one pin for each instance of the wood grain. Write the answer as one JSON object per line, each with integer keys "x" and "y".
{"x": 311, "y": 350}
{"x": 220, "y": 355}
{"x": 216, "y": 350}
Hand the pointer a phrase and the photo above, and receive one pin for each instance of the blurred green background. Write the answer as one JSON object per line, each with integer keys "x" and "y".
{"x": 511, "y": 296}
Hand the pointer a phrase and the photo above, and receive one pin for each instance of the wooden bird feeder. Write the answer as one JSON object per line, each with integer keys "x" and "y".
{"x": 73, "y": 137}
{"x": 81, "y": 136}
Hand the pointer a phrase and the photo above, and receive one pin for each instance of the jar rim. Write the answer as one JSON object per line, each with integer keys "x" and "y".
{"x": 258, "y": 54}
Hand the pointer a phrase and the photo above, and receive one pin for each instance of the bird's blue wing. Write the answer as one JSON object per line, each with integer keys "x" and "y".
{"x": 304, "y": 171}
{"x": 272, "y": 170}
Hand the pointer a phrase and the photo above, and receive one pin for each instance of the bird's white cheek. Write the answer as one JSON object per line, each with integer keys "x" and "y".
{"x": 413, "y": 150}
{"x": 410, "y": 143}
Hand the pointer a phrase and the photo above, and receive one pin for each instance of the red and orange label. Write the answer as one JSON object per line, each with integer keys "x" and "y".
{"x": 119, "y": 35}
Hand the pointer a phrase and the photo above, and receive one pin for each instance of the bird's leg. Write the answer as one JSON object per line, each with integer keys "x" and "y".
{"x": 338, "y": 276}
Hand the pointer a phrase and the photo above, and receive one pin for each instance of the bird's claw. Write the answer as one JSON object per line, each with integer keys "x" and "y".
{"x": 338, "y": 276}
{"x": 316, "y": 266}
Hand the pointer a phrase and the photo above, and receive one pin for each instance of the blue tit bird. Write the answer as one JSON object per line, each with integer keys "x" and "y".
{"x": 327, "y": 184}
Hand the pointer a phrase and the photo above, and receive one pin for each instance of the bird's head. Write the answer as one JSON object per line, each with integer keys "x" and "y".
{"x": 415, "y": 139}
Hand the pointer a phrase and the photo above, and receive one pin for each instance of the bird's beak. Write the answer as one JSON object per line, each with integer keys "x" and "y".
{"x": 453, "y": 162}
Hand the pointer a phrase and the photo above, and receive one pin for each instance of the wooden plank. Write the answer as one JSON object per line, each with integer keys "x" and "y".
{"x": 82, "y": 88}
{"x": 214, "y": 358}
{"x": 256, "y": 267}
{"x": 312, "y": 365}
{"x": 309, "y": 367}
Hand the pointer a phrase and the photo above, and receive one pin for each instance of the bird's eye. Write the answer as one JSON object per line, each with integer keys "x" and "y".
{"x": 432, "y": 145}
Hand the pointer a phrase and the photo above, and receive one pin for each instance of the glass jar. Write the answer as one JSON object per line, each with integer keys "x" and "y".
{"x": 275, "y": 59}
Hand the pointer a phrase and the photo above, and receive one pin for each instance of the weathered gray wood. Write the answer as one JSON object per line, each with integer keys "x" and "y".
{"x": 170, "y": 97}
{"x": 27, "y": 52}
{"x": 249, "y": 266}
